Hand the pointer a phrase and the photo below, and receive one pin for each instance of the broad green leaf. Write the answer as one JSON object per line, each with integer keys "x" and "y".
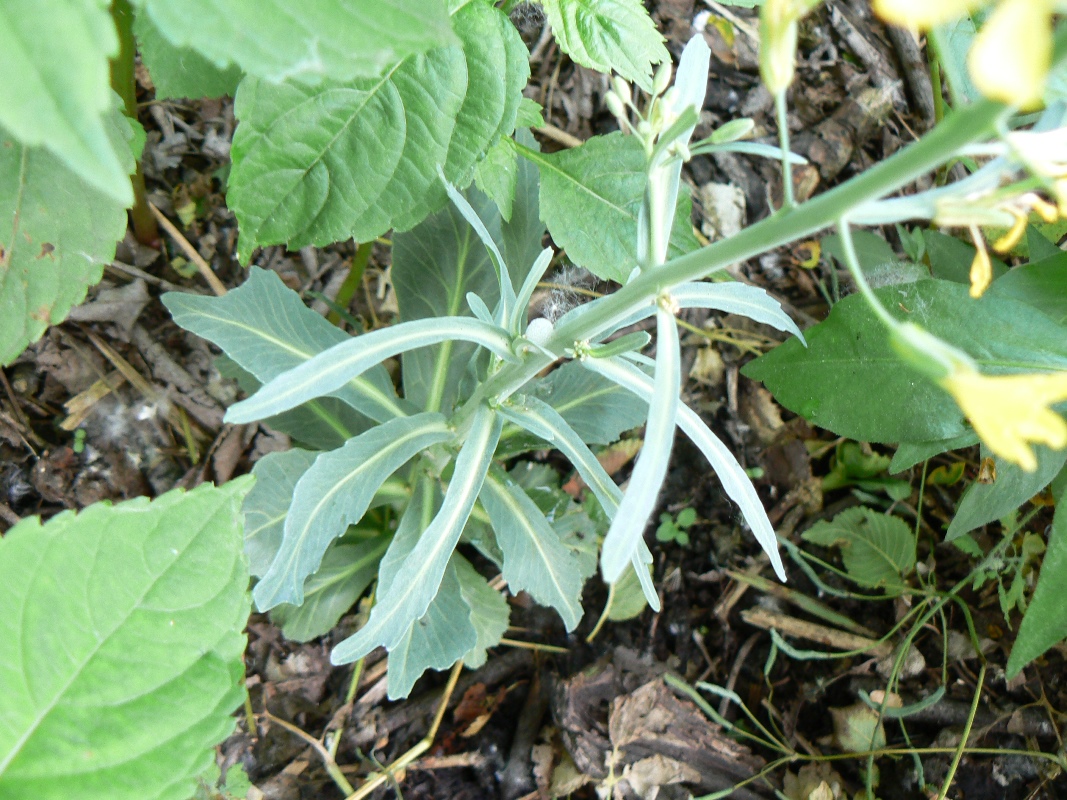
{"x": 434, "y": 266}
{"x": 909, "y": 454}
{"x": 181, "y": 71}
{"x": 950, "y": 259}
{"x": 950, "y": 43}
{"x": 335, "y": 492}
{"x": 590, "y": 199}
{"x": 419, "y": 575}
{"x": 121, "y": 652}
{"x": 878, "y": 550}
{"x": 608, "y": 36}
{"x": 871, "y": 249}
{"x": 317, "y": 39}
{"x": 535, "y": 560}
{"x": 345, "y": 573}
{"x": 488, "y": 609}
{"x": 986, "y": 502}
{"x": 1042, "y": 285}
{"x": 267, "y": 504}
{"x": 267, "y": 330}
{"x": 628, "y": 526}
{"x": 850, "y": 381}
{"x": 497, "y": 174}
{"x": 56, "y": 92}
{"x": 1039, "y": 247}
{"x": 314, "y": 165}
{"x": 56, "y": 233}
{"x": 1045, "y": 623}
{"x": 598, "y": 410}
{"x": 322, "y": 424}
{"x": 338, "y": 365}
{"x": 522, "y": 235}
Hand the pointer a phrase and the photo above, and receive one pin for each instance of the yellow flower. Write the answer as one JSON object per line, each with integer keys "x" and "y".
{"x": 1012, "y": 53}
{"x": 778, "y": 40}
{"x": 1009, "y": 412}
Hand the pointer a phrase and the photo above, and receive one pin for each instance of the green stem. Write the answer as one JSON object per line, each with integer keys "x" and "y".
{"x": 353, "y": 280}
{"x": 123, "y": 82}
{"x": 782, "y": 113}
{"x": 848, "y": 249}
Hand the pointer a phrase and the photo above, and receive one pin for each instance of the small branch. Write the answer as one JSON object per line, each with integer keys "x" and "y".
{"x": 205, "y": 269}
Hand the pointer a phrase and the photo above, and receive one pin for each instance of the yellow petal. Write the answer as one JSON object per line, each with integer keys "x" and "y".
{"x": 1012, "y": 53}
{"x": 1007, "y": 242}
{"x": 1011, "y": 412}
{"x": 981, "y": 267}
{"x": 923, "y": 14}
{"x": 778, "y": 44}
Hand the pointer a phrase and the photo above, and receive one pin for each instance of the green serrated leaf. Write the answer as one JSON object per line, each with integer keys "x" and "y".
{"x": 852, "y": 382}
{"x": 267, "y": 330}
{"x": 56, "y": 92}
{"x": 496, "y": 175}
{"x": 181, "y": 71}
{"x": 335, "y": 492}
{"x": 318, "y": 39}
{"x": 344, "y": 574}
{"x": 590, "y": 199}
{"x": 435, "y": 265}
{"x": 529, "y": 114}
{"x": 1045, "y": 623}
{"x": 986, "y": 502}
{"x": 314, "y": 165}
{"x": 534, "y": 558}
{"x": 878, "y": 550}
{"x": 121, "y": 652}
{"x": 56, "y": 234}
{"x": 522, "y": 235}
{"x": 608, "y": 35}
{"x": 267, "y": 504}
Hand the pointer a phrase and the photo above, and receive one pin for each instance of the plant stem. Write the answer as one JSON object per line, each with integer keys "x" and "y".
{"x": 353, "y": 280}
{"x": 782, "y": 113}
{"x": 123, "y": 82}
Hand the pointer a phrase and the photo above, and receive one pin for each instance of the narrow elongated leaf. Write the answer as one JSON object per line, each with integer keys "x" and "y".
{"x": 434, "y": 266}
{"x": 543, "y": 421}
{"x": 878, "y": 550}
{"x": 1045, "y": 623}
{"x": 180, "y": 71}
{"x": 608, "y": 36}
{"x": 267, "y": 330}
{"x": 337, "y": 491}
{"x": 338, "y": 39}
{"x": 535, "y": 559}
{"x": 986, "y": 502}
{"x": 56, "y": 91}
{"x": 852, "y": 382}
{"x": 590, "y": 200}
{"x": 419, "y": 576}
{"x": 437, "y": 640}
{"x": 267, "y": 504}
{"x": 651, "y": 468}
{"x": 314, "y": 165}
{"x": 56, "y": 231}
{"x": 336, "y": 366}
{"x": 345, "y": 573}
{"x": 734, "y": 481}
{"x": 121, "y": 652}
{"x": 489, "y": 611}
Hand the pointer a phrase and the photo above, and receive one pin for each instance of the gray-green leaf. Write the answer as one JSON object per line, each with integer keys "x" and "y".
{"x": 267, "y": 504}
{"x": 121, "y": 652}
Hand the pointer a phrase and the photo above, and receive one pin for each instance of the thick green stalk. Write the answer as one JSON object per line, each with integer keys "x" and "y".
{"x": 897, "y": 171}
{"x": 122, "y": 81}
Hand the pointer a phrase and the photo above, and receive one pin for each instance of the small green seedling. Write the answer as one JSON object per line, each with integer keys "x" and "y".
{"x": 673, "y": 529}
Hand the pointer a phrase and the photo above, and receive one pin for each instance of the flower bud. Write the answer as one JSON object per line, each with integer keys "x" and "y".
{"x": 661, "y": 79}
{"x": 778, "y": 44}
{"x": 622, "y": 89}
{"x": 615, "y": 106}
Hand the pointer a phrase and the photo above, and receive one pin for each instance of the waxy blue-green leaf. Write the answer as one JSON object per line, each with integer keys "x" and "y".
{"x": 1045, "y": 622}
{"x": 987, "y": 502}
{"x": 314, "y": 165}
{"x": 335, "y": 492}
{"x": 309, "y": 41}
{"x": 535, "y": 560}
{"x": 419, "y": 575}
{"x": 56, "y": 90}
{"x": 267, "y": 504}
{"x": 347, "y": 569}
{"x": 336, "y": 366}
{"x": 851, "y": 381}
{"x": 56, "y": 234}
{"x": 608, "y": 36}
{"x": 121, "y": 652}
{"x": 638, "y": 503}
{"x": 590, "y": 199}
{"x": 489, "y": 611}
{"x": 180, "y": 71}
{"x": 267, "y": 330}
{"x": 731, "y": 475}
{"x": 598, "y": 410}
{"x": 434, "y": 266}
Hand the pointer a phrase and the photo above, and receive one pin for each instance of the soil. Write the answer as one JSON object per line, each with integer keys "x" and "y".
{"x": 586, "y": 712}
